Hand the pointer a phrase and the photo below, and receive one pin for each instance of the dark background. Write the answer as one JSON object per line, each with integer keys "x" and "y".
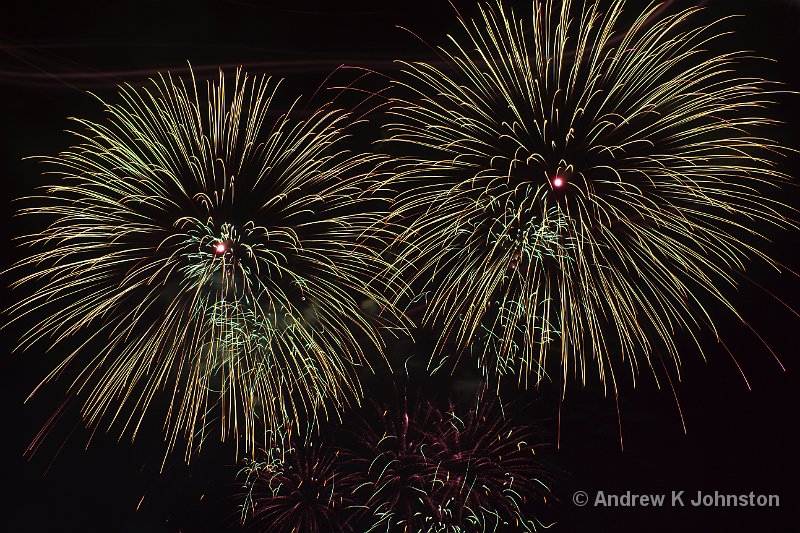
{"x": 736, "y": 440}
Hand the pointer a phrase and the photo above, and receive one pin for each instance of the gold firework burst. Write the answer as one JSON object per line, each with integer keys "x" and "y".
{"x": 209, "y": 255}
{"x": 581, "y": 186}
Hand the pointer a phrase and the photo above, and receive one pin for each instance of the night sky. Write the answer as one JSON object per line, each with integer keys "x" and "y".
{"x": 737, "y": 439}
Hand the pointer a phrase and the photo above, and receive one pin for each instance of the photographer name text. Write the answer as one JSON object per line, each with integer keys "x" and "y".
{"x": 676, "y": 498}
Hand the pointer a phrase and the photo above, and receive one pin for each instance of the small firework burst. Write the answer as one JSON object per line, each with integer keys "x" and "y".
{"x": 428, "y": 469}
{"x": 491, "y": 470}
{"x": 395, "y": 473}
{"x": 212, "y": 249}
{"x": 302, "y": 490}
{"x": 580, "y": 186}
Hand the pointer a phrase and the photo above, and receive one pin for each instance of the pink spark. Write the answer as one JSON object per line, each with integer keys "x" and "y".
{"x": 220, "y": 248}
{"x": 558, "y": 182}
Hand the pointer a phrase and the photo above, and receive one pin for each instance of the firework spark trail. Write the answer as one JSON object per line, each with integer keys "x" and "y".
{"x": 578, "y": 186}
{"x": 211, "y": 252}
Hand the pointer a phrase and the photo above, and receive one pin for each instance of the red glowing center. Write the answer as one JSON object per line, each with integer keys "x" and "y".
{"x": 558, "y": 182}
{"x": 220, "y": 248}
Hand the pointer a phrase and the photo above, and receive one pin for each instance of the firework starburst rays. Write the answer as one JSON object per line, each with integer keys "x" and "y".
{"x": 213, "y": 249}
{"x": 580, "y": 185}
{"x": 303, "y": 490}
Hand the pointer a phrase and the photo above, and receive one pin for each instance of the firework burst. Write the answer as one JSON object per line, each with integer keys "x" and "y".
{"x": 301, "y": 490}
{"x": 580, "y": 185}
{"x": 433, "y": 470}
{"x": 211, "y": 249}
